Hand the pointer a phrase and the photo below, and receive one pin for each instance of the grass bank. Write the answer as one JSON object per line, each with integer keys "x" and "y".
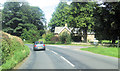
{"x": 18, "y": 56}
{"x": 73, "y": 45}
{"x": 104, "y": 51}
{"x": 13, "y": 51}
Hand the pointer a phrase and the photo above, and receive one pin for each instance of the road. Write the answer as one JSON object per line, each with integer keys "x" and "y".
{"x": 67, "y": 57}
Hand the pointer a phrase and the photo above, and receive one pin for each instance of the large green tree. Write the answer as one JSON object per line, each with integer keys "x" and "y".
{"x": 59, "y": 17}
{"x": 82, "y": 13}
{"x": 76, "y": 15}
{"x": 107, "y": 25}
{"x": 19, "y": 15}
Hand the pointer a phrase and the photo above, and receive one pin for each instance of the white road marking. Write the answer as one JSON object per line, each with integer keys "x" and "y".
{"x": 64, "y": 59}
{"x": 54, "y": 52}
{"x": 67, "y": 61}
{"x": 41, "y": 51}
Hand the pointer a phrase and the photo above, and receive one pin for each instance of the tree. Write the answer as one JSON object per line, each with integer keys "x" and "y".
{"x": 30, "y": 35}
{"x": 59, "y": 17}
{"x": 82, "y": 17}
{"x": 19, "y": 15}
{"x": 0, "y": 20}
{"x": 48, "y": 36}
{"x": 106, "y": 21}
{"x": 10, "y": 17}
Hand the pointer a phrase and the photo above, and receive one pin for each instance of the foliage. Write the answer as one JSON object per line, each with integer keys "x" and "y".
{"x": 76, "y": 15}
{"x": 43, "y": 39}
{"x": 43, "y": 36}
{"x": 48, "y": 36}
{"x": 59, "y": 42}
{"x": 104, "y": 51}
{"x": 65, "y": 38}
{"x": 13, "y": 51}
{"x": 31, "y": 35}
{"x": 106, "y": 21}
{"x": 17, "y": 16}
{"x": 89, "y": 16}
{"x": 49, "y": 42}
{"x": 59, "y": 17}
{"x": 18, "y": 56}
{"x": 55, "y": 39}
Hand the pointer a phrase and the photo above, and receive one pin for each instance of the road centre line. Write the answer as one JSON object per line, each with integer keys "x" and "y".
{"x": 67, "y": 61}
{"x": 54, "y": 52}
{"x": 64, "y": 59}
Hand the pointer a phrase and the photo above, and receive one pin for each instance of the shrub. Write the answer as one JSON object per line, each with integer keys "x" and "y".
{"x": 13, "y": 51}
{"x": 58, "y": 42}
{"x": 65, "y": 38}
{"x": 49, "y": 36}
{"x": 43, "y": 36}
{"x": 55, "y": 39}
{"x": 31, "y": 35}
{"x": 49, "y": 42}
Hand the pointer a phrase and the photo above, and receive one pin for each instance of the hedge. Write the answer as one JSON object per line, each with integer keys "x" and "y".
{"x": 13, "y": 51}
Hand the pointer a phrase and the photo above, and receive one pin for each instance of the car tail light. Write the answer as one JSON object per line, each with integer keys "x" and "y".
{"x": 43, "y": 44}
{"x": 35, "y": 46}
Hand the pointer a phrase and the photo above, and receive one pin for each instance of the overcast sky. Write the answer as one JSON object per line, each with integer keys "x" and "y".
{"x": 48, "y": 6}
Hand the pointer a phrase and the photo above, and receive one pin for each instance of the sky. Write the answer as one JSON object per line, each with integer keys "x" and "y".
{"x": 48, "y": 6}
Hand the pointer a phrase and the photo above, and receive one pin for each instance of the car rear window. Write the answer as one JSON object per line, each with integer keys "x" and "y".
{"x": 39, "y": 42}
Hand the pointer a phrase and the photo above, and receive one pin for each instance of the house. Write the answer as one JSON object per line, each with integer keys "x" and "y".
{"x": 78, "y": 36}
{"x": 60, "y": 30}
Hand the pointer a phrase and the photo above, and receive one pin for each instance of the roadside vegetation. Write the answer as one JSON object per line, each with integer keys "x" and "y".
{"x": 89, "y": 17}
{"x": 50, "y": 38}
{"x": 13, "y": 51}
{"x": 25, "y": 23}
{"x": 22, "y": 20}
{"x": 103, "y": 50}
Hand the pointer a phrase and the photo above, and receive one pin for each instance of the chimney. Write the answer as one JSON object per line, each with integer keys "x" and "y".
{"x": 66, "y": 25}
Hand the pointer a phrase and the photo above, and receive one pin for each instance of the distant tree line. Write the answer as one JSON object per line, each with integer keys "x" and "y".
{"x": 21, "y": 19}
{"x": 102, "y": 18}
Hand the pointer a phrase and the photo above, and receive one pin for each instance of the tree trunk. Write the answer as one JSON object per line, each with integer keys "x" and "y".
{"x": 85, "y": 35}
{"x": 113, "y": 41}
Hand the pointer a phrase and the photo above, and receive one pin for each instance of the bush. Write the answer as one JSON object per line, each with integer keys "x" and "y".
{"x": 49, "y": 42}
{"x": 13, "y": 51}
{"x": 43, "y": 36}
{"x": 58, "y": 42}
{"x": 9, "y": 45}
{"x": 31, "y": 35}
{"x": 49, "y": 36}
{"x": 55, "y": 39}
{"x": 65, "y": 38}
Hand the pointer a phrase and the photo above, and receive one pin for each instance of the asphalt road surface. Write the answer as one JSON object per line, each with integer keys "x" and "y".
{"x": 67, "y": 57}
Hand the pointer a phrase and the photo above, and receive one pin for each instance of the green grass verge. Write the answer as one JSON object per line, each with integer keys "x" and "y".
{"x": 77, "y": 45}
{"x": 18, "y": 56}
{"x": 104, "y": 51}
{"x": 108, "y": 41}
